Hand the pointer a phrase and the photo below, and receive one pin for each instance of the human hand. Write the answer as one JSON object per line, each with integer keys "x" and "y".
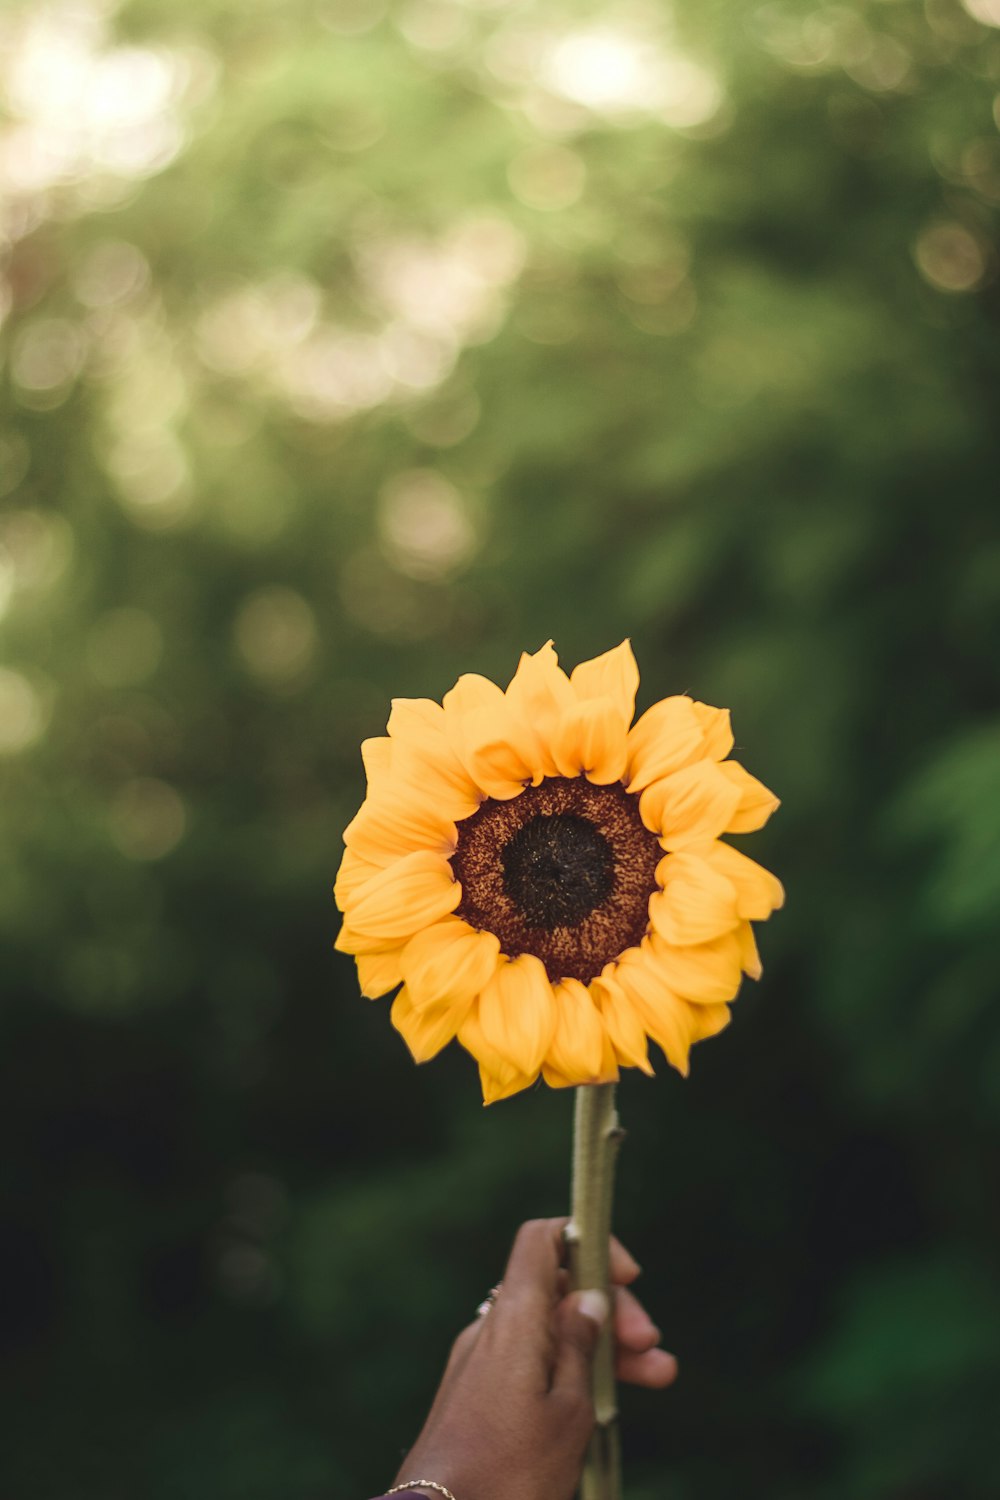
{"x": 513, "y": 1414}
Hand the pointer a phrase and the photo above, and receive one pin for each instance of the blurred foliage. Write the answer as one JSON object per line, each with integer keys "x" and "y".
{"x": 349, "y": 346}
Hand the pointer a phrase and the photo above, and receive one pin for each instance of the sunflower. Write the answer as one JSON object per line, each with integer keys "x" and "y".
{"x": 548, "y": 884}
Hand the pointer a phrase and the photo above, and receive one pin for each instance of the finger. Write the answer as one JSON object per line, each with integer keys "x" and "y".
{"x": 624, "y": 1266}
{"x": 577, "y": 1324}
{"x": 634, "y": 1328}
{"x": 520, "y": 1325}
{"x": 633, "y": 1325}
{"x": 530, "y": 1285}
{"x": 655, "y": 1368}
{"x": 461, "y": 1351}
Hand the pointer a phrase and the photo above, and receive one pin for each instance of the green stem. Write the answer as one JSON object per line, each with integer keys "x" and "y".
{"x": 596, "y": 1138}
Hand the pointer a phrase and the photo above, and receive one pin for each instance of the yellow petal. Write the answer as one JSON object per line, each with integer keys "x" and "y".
{"x": 356, "y": 943}
{"x": 434, "y": 783}
{"x": 474, "y": 1040}
{"x": 590, "y": 737}
{"x": 558, "y": 1080}
{"x": 353, "y": 872}
{"x": 696, "y": 904}
{"x": 717, "y": 730}
{"x": 499, "y": 751}
{"x": 703, "y": 972}
{"x": 425, "y": 1029}
{"x": 517, "y": 1012}
{"x": 667, "y": 737}
{"x": 417, "y": 722}
{"x": 664, "y": 1015}
{"x": 709, "y": 1020}
{"x": 375, "y": 755}
{"x": 397, "y": 819}
{"x": 758, "y": 892}
{"x": 691, "y": 805}
{"x": 424, "y": 756}
{"x": 756, "y": 802}
{"x": 449, "y": 961}
{"x": 621, "y": 1020}
{"x": 378, "y": 973}
{"x": 414, "y": 892}
{"x": 539, "y": 686}
{"x": 471, "y": 692}
{"x": 606, "y": 1073}
{"x": 749, "y": 957}
{"x": 609, "y": 1061}
{"x": 577, "y": 1047}
{"x": 538, "y": 693}
{"x": 613, "y": 675}
{"x": 495, "y": 1088}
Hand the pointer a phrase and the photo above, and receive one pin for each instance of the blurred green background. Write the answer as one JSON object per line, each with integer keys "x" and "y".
{"x": 353, "y": 344}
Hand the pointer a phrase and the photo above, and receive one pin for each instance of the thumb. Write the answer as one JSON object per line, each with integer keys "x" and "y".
{"x": 578, "y": 1323}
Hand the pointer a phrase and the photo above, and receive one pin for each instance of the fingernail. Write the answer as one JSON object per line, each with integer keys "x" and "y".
{"x": 594, "y": 1305}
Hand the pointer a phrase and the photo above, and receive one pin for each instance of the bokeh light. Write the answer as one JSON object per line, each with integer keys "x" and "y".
{"x": 22, "y": 712}
{"x": 276, "y": 635}
{"x": 147, "y": 819}
{"x": 426, "y": 528}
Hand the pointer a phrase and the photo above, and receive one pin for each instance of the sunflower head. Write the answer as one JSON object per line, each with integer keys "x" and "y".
{"x": 547, "y": 881}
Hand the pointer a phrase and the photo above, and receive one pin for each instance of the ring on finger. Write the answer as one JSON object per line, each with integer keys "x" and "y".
{"x": 488, "y": 1300}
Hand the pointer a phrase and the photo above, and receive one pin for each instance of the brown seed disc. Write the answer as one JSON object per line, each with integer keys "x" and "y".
{"x": 564, "y": 870}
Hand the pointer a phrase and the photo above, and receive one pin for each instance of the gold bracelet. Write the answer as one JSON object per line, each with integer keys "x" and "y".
{"x": 422, "y": 1484}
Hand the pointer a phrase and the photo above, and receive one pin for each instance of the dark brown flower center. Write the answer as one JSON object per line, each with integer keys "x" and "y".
{"x": 557, "y": 868}
{"x": 564, "y": 871}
